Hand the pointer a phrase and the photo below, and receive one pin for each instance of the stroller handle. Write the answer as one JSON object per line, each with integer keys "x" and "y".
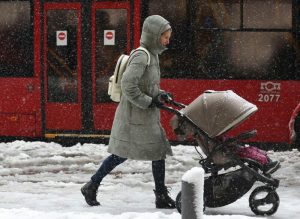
{"x": 177, "y": 104}
{"x": 172, "y": 102}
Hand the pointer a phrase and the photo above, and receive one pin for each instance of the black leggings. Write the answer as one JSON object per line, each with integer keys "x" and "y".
{"x": 158, "y": 170}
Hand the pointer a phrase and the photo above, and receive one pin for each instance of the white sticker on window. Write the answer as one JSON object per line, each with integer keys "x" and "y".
{"x": 109, "y": 37}
{"x": 61, "y": 38}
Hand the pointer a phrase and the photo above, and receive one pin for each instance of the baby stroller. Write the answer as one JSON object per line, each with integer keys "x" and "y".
{"x": 206, "y": 119}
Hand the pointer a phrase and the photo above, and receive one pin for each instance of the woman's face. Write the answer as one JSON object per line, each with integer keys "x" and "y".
{"x": 165, "y": 38}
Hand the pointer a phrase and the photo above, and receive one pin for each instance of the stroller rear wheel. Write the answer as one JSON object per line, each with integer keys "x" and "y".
{"x": 264, "y": 200}
{"x": 178, "y": 202}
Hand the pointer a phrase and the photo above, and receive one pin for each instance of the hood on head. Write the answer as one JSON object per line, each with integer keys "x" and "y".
{"x": 153, "y": 27}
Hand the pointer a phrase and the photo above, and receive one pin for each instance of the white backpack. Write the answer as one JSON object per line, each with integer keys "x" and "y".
{"x": 114, "y": 84}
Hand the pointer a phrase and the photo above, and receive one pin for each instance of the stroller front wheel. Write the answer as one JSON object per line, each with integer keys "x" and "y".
{"x": 178, "y": 202}
{"x": 264, "y": 200}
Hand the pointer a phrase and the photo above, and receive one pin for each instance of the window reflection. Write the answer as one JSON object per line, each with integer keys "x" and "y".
{"x": 176, "y": 57}
{"x": 16, "y": 39}
{"x": 260, "y": 55}
{"x": 212, "y": 41}
{"x": 107, "y": 55}
{"x": 216, "y": 14}
{"x": 267, "y": 14}
{"x": 62, "y": 60}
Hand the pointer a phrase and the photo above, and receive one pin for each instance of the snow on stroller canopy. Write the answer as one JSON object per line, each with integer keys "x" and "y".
{"x": 216, "y": 112}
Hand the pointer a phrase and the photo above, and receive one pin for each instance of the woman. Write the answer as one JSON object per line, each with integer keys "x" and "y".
{"x": 137, "y": 132}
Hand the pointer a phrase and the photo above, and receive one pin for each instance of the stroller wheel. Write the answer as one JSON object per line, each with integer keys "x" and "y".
{"x": 264, "y": 200}
{"x": 178, "y": 202}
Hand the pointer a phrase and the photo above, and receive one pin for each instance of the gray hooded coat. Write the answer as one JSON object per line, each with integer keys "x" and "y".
{"x": 137, "y": 132}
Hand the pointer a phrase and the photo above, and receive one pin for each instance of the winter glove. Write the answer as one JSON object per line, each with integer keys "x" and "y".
{"x": 161, "y": 99}
{"x": 166, "y": 96}
{"x": 156, "y": 102}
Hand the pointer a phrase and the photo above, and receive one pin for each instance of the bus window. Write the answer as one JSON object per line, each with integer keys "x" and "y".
{"x": 107, "y": 55}
{"x": 215, "y": 14}
{"x": 211, "y": 40}
{"x": 268, "y": 14}
{"x": 174, "y": 59}
{"x": 62, "y": 59}
{"x": 16, "y": 39}
{"x": 195, "y": 36}
{"x": 259, "y": 55}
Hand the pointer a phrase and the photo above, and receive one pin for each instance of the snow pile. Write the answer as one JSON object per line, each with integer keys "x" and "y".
{"x": 43, "y": 180}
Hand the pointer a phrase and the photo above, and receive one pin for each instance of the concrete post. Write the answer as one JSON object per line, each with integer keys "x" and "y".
{"x": 192, "y": 194}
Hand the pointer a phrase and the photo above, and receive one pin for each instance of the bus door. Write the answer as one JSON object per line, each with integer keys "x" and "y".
{"x": 110, "y": 38}
{"x": 62, "y": 66}
{"x": 82, "y": 42}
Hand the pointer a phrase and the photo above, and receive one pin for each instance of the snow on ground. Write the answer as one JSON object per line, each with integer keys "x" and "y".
{"x": 43, "y": 180}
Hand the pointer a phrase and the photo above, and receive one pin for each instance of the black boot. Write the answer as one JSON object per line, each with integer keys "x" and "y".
{"x": 89, "y": 191}
{"x": 163, "y": 200}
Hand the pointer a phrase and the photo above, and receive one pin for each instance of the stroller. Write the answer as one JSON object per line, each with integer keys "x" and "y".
{"x": 207, "y": 118}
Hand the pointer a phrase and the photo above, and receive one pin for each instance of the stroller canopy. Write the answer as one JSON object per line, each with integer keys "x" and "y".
{"x": 216, "y": 112}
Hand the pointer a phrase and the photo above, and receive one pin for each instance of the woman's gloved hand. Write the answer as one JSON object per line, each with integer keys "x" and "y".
{"x": 166, "y": 96}
{"x": 162, "y": 98}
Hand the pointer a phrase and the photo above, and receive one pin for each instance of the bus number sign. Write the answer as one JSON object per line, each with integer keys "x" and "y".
{"x": 269, "y": 92}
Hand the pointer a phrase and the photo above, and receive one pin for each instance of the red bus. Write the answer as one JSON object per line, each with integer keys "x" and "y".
{"x": 56, "y": 58}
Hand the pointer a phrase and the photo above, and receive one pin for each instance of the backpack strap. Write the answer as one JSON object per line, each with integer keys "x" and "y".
{"x": 142, "y": 49}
